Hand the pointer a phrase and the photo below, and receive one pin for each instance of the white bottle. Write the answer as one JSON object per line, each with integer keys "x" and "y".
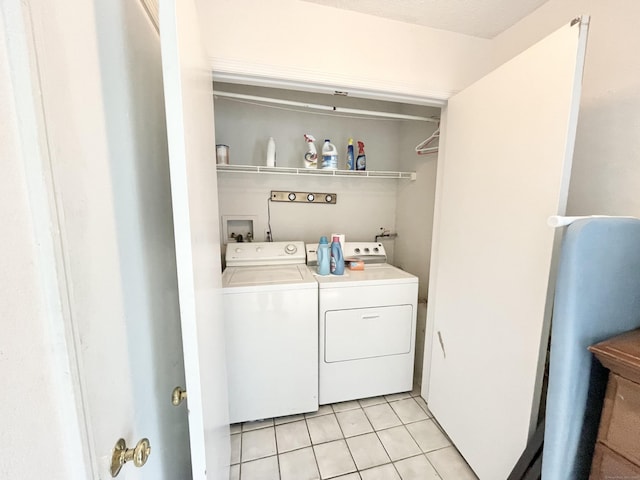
{"x": 329, "y": 156}
{"x": 271, "y": 153}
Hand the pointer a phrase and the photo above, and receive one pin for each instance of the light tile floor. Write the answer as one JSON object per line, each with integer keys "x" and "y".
{"x": 382, "y": 438}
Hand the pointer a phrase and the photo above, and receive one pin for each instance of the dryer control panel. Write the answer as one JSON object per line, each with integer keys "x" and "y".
{"x": 368, "y": 252}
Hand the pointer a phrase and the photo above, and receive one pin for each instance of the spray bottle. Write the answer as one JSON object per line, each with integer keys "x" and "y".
{"x": 351, "y": 164}
{"x": 361, "y": 161}
{"x": 311, "y": 157}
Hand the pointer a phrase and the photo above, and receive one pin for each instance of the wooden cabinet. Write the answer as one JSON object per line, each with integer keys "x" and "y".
{"x": 608, "y": 465}
{"x": 617, "y": 452}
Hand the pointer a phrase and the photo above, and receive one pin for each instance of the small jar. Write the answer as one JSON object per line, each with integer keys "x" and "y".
{"x": 222, "y": 154}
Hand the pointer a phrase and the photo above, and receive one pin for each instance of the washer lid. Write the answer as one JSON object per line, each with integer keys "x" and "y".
{"x": 268, "y": 277}
{"x": 377, "y": 274}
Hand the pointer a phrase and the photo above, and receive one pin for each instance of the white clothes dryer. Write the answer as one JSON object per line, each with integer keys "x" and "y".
{"x": 271, "y": 330}
{"x": 367, "y": 326}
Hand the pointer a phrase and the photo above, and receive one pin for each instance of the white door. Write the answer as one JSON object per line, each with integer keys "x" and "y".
{"x": 190, "y": 133}
{"x": 508, "y": 145}
{"x": 91, "y": 114}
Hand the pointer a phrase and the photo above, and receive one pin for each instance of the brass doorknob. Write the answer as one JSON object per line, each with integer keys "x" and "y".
{"x": 122, "y": 454}
{"x": 177, "y": 396}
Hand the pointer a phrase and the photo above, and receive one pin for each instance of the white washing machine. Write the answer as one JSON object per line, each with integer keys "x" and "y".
{"x": 271, "y": 330}
{"x": 367, "y": 322}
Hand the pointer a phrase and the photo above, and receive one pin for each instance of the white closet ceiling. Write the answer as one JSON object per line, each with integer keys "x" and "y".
{"x": 479, "y": 18}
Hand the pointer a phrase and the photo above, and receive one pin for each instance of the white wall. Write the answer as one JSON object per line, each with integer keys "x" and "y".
{"x": 314, "y": 43}
{"x": 363, "y": 205}
{"x": 32, "y": 408}
{"x": 606, "y": 171}
{"x": 415, "y": 205}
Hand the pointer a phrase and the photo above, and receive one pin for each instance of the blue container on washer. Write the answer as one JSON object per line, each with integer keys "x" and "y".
{"x": 323, "y": 256}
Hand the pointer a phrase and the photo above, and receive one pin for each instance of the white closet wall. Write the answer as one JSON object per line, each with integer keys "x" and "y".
{"x": 302, "y": 41}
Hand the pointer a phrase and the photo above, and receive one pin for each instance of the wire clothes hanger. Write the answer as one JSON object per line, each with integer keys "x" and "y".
{"x": 423, "y": 147}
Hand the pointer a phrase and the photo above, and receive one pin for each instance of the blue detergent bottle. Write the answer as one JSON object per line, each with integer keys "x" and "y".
{"x": 323, "y": 256}
{"x": 351, "y": 163}
{"x": 337, "y": 260}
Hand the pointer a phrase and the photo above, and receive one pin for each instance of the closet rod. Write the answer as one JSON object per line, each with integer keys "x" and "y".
{"x": 398, "y": 116}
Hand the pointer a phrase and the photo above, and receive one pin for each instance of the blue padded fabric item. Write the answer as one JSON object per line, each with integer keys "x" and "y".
{"x": 597, "y": 297}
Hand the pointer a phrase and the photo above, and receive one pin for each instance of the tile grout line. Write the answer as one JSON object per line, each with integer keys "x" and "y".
{"x": 451, "y": 444}
{"x": 435, "y": 450}
{"x": 345, "y": 442}
{"x": 433, "y": 466}
{"x": 401, "y": 460}
{"x": 242, "y": 461}
{"x": 387, "y": 428}
{"x": 313, "y": 450}
{"x": 424, "y": 454}
{"x": 381, "y": 442}
{"x": 275, "y": 438}
{"x": 360, "y": 407}
{"x": 385, "y": 449}
{"x": 413, "y": 438}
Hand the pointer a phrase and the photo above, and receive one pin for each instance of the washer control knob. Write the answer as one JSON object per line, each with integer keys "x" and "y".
{"x": 328, "y": 198}
{"x": 311, "y": 197}
{"x": 376, "y": 249}
{"x": 366, "y": 250}
{"x": 238, "y": 250}
{"x": 291, "y": 197}
{"x": 357, "y": 250}
{"x": 259, "y": 249}
{"x": 290, "y": 249}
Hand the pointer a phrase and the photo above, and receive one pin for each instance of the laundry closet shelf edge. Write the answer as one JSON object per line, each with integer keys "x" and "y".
{"x": 314, "y": 172}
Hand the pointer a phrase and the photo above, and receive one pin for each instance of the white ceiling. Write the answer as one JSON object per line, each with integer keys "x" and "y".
{"x": 480, "y": 18}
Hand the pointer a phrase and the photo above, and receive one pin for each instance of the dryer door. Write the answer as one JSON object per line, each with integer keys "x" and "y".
{"x": 361, "y": 333}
